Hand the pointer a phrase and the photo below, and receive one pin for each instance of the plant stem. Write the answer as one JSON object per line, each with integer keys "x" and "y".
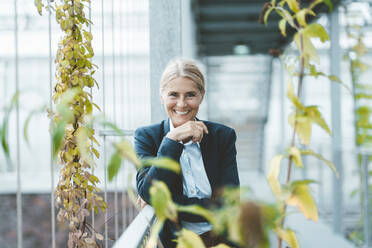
{"x": 290, "y": 159}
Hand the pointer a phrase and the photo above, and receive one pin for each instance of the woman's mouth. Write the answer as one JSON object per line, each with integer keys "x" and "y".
{"x": 182, "y": 112}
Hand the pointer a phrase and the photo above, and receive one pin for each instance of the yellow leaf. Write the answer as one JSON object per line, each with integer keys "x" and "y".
{"x": 301, "y": 17}
{"x": 319, "y": 156}
{"x": 292, "y": 97}
{"x": 316, "y": 30}
{"x": 302, "y": 199}
{"x": 308, "y": 50}
{"x": 288, "y": 236}
{"x": 272, "y": 177}
{"x": 189, "y": 239}
{"x": 303, "y": 127}
{"x": 313, "y": 113}
{"x": 282, "y": 25}
{"x": 296, "y": 154}
{"x": 293, "y": 5}
{"x": 95, "y": 152}
{"x": 221, "y": 246}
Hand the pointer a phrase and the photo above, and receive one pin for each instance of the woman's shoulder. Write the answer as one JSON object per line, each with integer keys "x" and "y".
{"x": 150, "y": 130}
{"x": 215, "y": 127}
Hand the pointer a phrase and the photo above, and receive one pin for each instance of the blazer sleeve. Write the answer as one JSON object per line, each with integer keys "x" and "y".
{"x": 145, "y": 147}
{"x": 228, "y": 161}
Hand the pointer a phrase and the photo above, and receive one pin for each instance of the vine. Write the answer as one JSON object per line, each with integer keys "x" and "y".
{"x": 297, "y": 193}
{"x": 73, "y": 137}
{"x": 362, "y": 92}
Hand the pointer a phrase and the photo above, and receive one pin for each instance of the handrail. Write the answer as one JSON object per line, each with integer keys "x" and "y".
{"x": 136, "y": 233}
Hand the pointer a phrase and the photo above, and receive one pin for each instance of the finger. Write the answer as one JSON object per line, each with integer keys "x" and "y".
{"x": 201, "y": 124}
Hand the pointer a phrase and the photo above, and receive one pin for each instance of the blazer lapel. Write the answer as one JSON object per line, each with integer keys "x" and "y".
{"x": 166, "y": 127}
{"x": 208, "y": 159}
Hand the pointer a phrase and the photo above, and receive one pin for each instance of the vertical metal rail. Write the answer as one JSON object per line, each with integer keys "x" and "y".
{"x": 366, "y": 203}
{"x": 320, "y": 180}
{"x": 122, "y": 82}
{"x": 335, "y": 58}
{"x": 116, "y": 220}
{"x": 52, "y": 207}
{"x": 104, "y": 115}
{"x": 18, "y": 160}
{"x": 91, "y": 93}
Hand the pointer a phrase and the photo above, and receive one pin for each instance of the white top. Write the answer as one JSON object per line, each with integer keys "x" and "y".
{"x": 195, "y": 180}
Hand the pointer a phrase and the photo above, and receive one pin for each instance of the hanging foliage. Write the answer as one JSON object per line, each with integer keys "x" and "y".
{"x": 297, "y": 193}
{"x": 362, "y": 91}
{"x": 73, "y": 137}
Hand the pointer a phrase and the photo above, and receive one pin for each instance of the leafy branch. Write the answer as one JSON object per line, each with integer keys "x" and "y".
{"x": 297, "y": 193}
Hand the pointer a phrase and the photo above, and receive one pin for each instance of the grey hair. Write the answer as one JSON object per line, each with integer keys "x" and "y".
{"x": 181, "y": 67}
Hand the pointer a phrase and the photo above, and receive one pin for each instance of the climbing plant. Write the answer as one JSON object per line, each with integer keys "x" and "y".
{"x": 73, "y": 136}
{"x": 362, "y": 95}
{"x": 296, "y": 193}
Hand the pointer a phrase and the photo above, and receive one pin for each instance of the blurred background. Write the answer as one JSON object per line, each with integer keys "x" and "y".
{"x": 246, "y": 89}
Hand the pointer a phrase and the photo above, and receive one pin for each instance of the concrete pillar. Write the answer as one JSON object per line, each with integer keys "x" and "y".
{"x": 165, "y": 44}
{"x": 335, "y": 58}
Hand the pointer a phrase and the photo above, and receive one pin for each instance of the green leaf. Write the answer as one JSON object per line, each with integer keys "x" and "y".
{"x": 282, "y": 25}
{"x": 189, "y": 239}
{"x": 57, "y": 136}
{"x": 288, "y": 236}
{"x": 126, "y": 151}
{"x": 114, "y": 166}
{"x": 329, "y": 4}
{"x": 296, "y": 155}
{"x": 198, "y": 210}
{"x": 163, "y": 162}
{"x": 320, "y": 157}
{"x": 266, "y": 16}
{"x": 302, "y": 199}
{"x": 272, "y": 177}
{"x": 27, "y": 122}
{"x": 315, "y": 30}
{"x": 161, "y": 200}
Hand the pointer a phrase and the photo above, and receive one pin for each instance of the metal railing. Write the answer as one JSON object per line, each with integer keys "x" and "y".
{"x": 138, "y": 231}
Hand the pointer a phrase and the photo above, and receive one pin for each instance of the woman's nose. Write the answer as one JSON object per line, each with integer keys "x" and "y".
{"x": 181, "y": 102}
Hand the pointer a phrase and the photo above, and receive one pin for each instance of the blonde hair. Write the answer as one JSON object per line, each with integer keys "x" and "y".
{"x": 182, "y": 68}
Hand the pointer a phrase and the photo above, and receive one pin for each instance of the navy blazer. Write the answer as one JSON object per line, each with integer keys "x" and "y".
{"x": 219, "y": 157}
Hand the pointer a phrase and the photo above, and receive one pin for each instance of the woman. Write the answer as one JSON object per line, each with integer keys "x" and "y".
{"x": 205, "y": 150}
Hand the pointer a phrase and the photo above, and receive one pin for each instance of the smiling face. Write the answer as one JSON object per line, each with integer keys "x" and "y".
{"x": 181, "y": 98}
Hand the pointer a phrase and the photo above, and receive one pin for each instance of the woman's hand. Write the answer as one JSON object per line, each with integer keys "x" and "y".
{"x": 140, "y": 202}
{"x": 191, "y": 130}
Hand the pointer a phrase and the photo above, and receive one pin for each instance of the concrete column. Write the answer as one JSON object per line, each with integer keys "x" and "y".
{"x": 165, "y": 44}
{"x": 335, "y": 58}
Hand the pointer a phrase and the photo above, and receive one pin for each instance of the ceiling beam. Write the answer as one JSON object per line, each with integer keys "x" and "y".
{"x": 229, "y": 26}
{"x": 231, "y": 10}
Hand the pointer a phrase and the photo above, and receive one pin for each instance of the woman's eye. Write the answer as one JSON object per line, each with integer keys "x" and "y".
{"x": 173, "y": 94}
{"x": 190, "y": 95}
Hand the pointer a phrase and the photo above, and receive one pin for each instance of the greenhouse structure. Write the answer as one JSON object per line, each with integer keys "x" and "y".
{"x": 291, "y": 78}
